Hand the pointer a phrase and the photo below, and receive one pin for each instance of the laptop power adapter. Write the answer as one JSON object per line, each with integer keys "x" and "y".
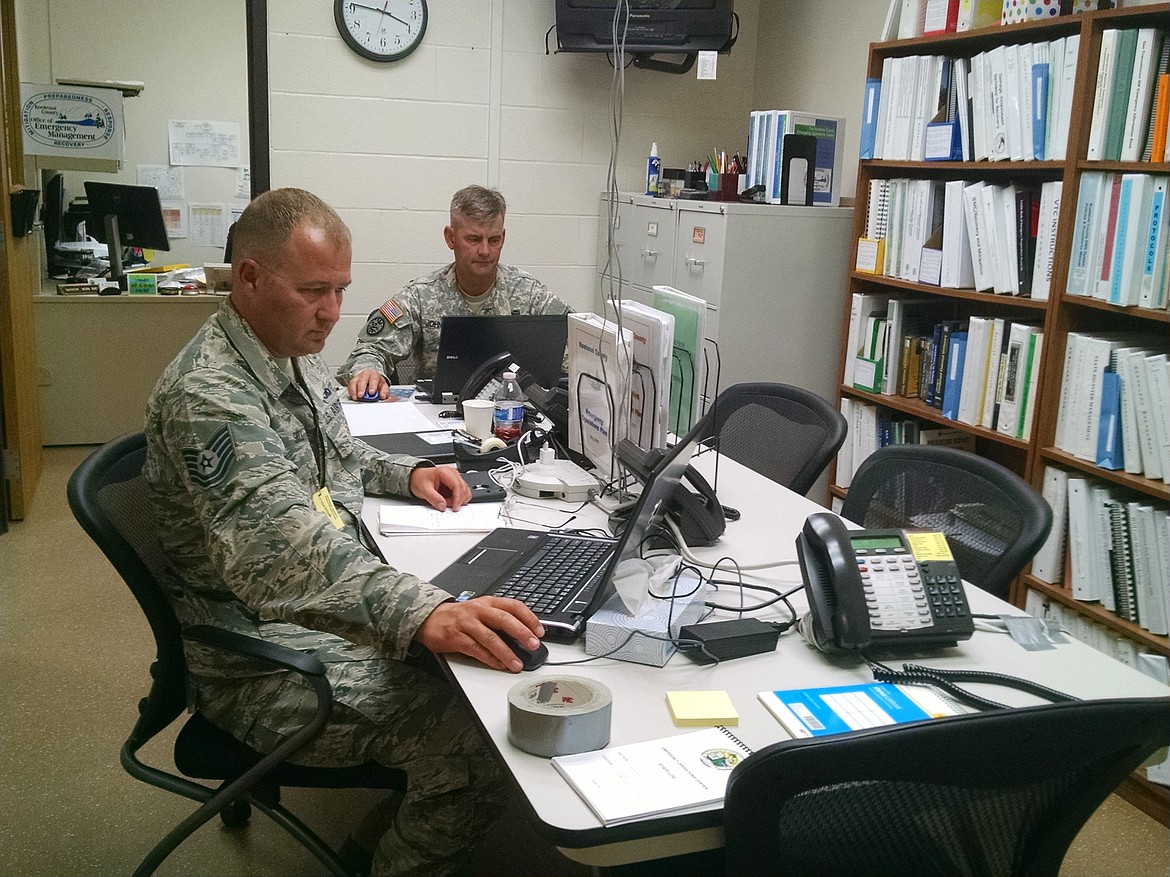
{"x": 736, "y": 638}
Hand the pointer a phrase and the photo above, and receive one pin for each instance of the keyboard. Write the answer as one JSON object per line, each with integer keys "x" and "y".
{"x": 554, "y": 575}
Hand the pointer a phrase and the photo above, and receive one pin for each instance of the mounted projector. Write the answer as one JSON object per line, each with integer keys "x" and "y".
{"x": 555, "y": 479}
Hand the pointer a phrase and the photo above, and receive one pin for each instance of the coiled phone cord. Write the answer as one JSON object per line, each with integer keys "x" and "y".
{"x": 915, "y": 674}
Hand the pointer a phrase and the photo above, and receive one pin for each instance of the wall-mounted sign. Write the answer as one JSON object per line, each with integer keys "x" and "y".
{"x": 72, "y": 121}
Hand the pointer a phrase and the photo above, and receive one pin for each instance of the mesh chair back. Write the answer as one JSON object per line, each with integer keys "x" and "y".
{"x": 997, "y": 793}
{"x": 109, "y": 498}
{"x": 784, "y": 433}
{"x": 994, "y": 521}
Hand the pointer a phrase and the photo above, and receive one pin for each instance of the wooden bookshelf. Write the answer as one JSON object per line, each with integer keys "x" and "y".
{"x": 1058, "y": 315}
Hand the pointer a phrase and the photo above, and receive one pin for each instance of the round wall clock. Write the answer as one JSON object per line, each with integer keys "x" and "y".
{"x": 381, "y": 30}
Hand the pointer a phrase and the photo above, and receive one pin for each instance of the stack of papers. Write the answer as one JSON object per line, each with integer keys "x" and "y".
{"x": 398, "y": 519}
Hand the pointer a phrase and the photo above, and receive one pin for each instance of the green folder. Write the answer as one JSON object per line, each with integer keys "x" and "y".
{"x": 686, "y": 367}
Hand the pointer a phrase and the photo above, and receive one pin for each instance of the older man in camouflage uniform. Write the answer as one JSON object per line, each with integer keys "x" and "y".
{"x": 258, "y": 485}
{"x": 474, "y": 284}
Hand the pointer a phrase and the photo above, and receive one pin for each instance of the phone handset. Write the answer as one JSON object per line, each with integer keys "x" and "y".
{"x": 880, "y": 588}
{"x": 837, "y": 609}
{"x": 485, "y": 380}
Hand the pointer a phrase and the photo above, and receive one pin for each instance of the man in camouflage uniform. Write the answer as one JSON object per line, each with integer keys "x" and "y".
{"x": 474, "y": 284}
{"x": 257, "y": 485}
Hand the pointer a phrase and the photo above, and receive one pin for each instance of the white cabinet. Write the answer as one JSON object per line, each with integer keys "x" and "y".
{"x": 770, "y": 275}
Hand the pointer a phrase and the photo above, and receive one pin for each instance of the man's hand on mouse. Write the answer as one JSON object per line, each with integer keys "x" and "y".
{"x": 469, "y": 628}
{"x": 370, "y": 386}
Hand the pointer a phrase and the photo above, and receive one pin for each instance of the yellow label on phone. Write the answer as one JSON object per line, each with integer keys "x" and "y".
{"x": 929, "y": 546}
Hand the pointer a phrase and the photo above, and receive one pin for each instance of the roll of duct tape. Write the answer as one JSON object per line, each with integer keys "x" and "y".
{"x": 559, "y": 715}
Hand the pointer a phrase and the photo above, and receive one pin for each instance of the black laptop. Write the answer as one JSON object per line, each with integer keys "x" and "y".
{"x": 536, "y": 343}
{"x": 564, "y": 578}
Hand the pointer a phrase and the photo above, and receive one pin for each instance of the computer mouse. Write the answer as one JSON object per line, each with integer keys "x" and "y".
{"x": 370, "y": 396}
{"x": 531, "y": 659}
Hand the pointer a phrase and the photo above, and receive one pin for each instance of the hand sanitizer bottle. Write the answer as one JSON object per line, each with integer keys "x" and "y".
{"x": 653, "y": 165}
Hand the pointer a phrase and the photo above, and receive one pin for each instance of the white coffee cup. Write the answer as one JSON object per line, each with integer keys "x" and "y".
{"x": 477, "y": 417}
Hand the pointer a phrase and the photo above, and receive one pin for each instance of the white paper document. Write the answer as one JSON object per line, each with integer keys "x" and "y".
{"x": 413, "y": 519}
{"x": 380, "y": 418}
{"x": 625, "y": 783}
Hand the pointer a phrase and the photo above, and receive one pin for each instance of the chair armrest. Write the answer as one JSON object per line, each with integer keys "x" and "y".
{"x": 281, "y": 657}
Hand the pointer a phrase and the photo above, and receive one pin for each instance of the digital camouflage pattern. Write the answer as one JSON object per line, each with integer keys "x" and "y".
{"x": 232, "y": 470}
{"x": 409, "y": 323}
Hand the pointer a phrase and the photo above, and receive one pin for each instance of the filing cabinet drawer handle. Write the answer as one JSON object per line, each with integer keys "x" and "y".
{"x": 649, "y": 254}
{"x": 697, "y": 263}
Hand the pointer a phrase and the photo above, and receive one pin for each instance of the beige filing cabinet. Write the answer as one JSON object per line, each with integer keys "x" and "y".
{"x": 771, "y": 277}
{"x": 99, "y": 357}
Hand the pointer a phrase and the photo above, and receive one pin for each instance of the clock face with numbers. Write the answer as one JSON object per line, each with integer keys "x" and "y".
{"x": 381, "y": 30}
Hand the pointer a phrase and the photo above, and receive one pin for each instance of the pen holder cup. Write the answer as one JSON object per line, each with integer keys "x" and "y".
{"x": 730, "y": 186}
{"x": 695, "y": 180}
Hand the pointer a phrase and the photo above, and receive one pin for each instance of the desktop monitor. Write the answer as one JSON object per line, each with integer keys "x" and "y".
{"x": 131, "y": 216}
{"x": 53, "y": 210}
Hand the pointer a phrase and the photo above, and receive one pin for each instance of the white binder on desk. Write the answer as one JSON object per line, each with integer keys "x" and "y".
{"x": 600, "y": 363}
{"x": 652, "y": 333}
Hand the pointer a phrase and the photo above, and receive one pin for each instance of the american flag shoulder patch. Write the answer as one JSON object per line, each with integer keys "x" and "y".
{"x": 391, "y": 311}
{"x": 208, "y": 466}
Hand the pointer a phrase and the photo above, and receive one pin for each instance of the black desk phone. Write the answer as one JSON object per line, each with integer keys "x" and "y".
{"x": 880, "y": 588}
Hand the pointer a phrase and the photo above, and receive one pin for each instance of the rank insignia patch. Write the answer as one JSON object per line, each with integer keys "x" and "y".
{"x": 210, "y": 465}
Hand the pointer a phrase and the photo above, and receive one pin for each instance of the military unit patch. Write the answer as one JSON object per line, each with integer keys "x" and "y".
{"x": 209, "y": 466}
{"x": 392, "y": 311}
{"x": 375, "y": 325}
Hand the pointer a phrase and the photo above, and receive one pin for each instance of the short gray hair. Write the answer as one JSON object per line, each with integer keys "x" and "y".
{"x": 478, "y": 203}
{"x": 264, "y": 227}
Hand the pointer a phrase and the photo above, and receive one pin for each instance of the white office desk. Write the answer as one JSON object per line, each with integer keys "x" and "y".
{"x": 771, "y": 518}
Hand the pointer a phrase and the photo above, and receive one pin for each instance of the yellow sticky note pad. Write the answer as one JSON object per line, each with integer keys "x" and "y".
{"x": 929, "y": 546}
{"x": 699, "y": 708}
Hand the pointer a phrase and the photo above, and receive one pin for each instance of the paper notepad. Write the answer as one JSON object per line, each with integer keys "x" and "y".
{"x": 625, "y": 783}
{"x": 815, "y": 712}
{"x": 701, "y": 708}
{"x": 397, "y": 519}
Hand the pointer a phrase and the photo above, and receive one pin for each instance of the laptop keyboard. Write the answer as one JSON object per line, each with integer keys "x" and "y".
{"x": 555, "y": 572}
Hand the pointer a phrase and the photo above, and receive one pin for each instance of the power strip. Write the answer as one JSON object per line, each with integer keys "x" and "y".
{"x": 555, "y": 479}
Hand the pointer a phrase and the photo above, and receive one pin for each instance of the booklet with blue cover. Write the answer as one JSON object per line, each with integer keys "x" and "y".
{"x": 815, "y": 712}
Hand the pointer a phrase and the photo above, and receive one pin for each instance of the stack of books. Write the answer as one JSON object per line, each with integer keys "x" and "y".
{"x": 1115, "y": 402}
{"x": 959, "y": 235}
{"x": 1121, "y": 245}
{"x": 1012, "y": 102}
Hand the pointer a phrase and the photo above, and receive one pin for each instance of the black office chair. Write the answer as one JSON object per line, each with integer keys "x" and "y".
{"x": 994, "y": 521}
{"x": 108, "y": 497}
{"x": 985, "y": 794}
{"x": 782, "y": 432}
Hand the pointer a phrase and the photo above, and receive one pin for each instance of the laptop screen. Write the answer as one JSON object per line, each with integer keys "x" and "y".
{"x": 536, "y": 343}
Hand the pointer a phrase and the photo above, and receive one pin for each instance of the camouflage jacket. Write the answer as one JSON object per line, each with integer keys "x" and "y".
{"x": 410, "y": 322}
{"x": 232, "y": 470}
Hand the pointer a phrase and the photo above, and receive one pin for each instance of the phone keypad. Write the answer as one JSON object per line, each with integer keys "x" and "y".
{"x": 895, "y": 593}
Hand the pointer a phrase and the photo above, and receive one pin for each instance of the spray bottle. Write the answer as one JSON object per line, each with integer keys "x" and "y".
{"x": 653, "y": 165}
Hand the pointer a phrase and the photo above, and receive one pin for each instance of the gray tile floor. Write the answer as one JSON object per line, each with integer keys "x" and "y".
{"x": 74, "y": 652}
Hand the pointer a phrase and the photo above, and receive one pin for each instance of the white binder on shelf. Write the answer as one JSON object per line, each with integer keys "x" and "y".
{"x": 652, "y": 334}
{"x": 599, "y": 372}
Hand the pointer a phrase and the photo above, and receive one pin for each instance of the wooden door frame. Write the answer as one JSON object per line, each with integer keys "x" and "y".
{"x": 20, "y": 411}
